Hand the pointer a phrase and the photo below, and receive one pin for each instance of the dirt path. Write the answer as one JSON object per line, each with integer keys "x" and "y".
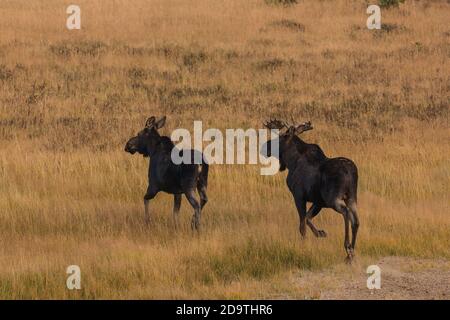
{"x": 401, "y": 278}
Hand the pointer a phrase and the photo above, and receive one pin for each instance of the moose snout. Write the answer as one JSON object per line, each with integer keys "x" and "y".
{"x": 129, "y": 148}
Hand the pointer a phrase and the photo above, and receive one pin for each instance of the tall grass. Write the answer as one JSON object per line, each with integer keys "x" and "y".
{"x": 69, "y": 100}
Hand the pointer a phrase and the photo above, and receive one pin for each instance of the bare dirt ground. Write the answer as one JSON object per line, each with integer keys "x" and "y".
{"x": 401, "y": 278}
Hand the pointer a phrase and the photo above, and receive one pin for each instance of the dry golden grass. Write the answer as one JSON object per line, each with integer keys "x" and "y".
{"x": 69, "y": 100}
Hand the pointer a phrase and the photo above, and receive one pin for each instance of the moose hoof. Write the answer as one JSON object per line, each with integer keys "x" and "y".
{"x": 350, "y": 256}
{"x": 349, "y": 259}
{"x": 321, "y": 234}
{"x": 195, "y": 224}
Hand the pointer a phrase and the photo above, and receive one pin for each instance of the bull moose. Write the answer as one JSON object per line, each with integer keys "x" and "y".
{"x": 313, "y": 177}
{"x": 164, "y": 175}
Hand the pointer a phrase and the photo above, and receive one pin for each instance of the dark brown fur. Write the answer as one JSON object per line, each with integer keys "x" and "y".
{"x": 164, "y": 175}
{"x": 313, "y": 177}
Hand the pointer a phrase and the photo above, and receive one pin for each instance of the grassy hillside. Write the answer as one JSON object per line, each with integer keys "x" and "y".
{"x": 69, "y": 100}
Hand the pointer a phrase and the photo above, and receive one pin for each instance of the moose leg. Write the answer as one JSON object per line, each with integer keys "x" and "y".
{"x": 342, "y": 208}
{"x": 312, "y": 212}
{"x": 301, "y": 208}
{"x": 148, "y": 196}
{"x": 176, "y": 208}
{"x": 347, "y": 244}
{"x": 195, "y": 223}
{"x": 355, "y": 222}
{"x": 203, "y": 197}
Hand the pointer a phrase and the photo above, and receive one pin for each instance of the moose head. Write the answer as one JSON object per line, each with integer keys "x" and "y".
{"x": 147, "y": 139}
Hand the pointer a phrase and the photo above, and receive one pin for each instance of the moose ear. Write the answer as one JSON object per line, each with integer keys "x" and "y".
{"x": 150, "y": 122}
{"x": 160, "y": 123}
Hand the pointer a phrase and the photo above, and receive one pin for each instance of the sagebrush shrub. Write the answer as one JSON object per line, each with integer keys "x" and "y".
{"x": 281, "y": 2}
{"x": 390, "y": 3}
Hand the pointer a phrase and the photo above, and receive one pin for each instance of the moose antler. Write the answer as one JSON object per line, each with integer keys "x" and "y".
{"x": 303, "y": 127}
{"x": 275, "y": 124}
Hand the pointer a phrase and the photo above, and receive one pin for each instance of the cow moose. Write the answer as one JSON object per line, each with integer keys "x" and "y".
{"x": 313, "y": 177}
{"x": 164, "y": 175}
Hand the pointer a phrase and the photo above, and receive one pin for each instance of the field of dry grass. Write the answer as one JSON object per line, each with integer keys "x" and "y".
{"x": 69, "y": 100}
